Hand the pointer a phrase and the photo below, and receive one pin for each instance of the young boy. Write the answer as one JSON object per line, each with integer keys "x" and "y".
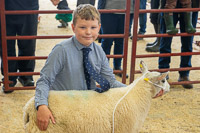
{"x": 64, "y": 68}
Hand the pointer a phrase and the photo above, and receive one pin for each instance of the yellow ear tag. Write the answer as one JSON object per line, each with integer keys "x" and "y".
{"x": 141, "y": 65}
{"x": 146, "y": 79}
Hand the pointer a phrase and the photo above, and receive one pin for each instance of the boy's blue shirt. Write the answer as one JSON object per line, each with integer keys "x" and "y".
{"x": 64, "y": 69}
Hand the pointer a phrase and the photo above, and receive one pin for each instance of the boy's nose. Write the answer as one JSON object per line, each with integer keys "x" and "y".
{"x": 88, "y": 31}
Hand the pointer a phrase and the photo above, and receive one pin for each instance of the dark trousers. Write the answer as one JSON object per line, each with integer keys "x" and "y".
{"x": 142, "y": 17}
{"x": 23, "y": 25}
{"x": 92, "y": 2}
{"x": 171, "y": 4}
{"x": 165, "y": 44}
{"x": 154, "y": 17}
{"x": 113, "y": 24}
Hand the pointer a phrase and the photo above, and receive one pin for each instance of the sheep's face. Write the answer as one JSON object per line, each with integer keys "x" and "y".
{"x": 158, "y": 80}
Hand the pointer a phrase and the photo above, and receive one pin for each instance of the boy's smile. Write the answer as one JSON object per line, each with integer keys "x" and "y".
{"x": 86, "y": 31}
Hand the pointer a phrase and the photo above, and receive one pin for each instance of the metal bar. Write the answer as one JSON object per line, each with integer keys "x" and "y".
{"x": 167, "y": 35}
{"x": 45, "y": 57}
{"x": 167, "y": 54}
{"x": 4, "y": 44}
{"x": 23, "y": 73}
{"x": 134, "y": 39}
{"x": 170, "y": 10}
{"x": 21, "y": 88}
{"x": 102, "y": 11}
{"x": 171, "y": 69}
{"x": 59, "y": 11}
{"x": 60, "y": 37}
{"x": 126, "y": 31}
{"x": 184, "y": 82}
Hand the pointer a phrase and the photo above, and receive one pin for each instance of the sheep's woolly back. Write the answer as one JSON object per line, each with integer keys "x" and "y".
{"x": 91, "y": 112}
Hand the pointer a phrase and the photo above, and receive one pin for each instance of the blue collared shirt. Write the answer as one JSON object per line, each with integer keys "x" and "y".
{"x": 64, "y": 69}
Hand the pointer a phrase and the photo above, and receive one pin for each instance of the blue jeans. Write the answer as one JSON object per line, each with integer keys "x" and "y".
{"x": 113, "y": 24}
{"x": 165, "y": 43}
{"x": 142, "y": 17}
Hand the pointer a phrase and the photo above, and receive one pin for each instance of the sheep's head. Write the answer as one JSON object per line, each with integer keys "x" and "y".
{"x": 157, "y": 79}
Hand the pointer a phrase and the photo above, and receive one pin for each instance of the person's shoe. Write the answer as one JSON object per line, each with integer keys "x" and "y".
{"x": 62, "y": 24}
{"x": 185, "y": 78}
{"x": 188, "y": 23}
{"x": 129, "y": 34}
{"x": 151, "y": 44}
{"x": 140, "y": 33}
{"x": 10, "y": 85}
{"x": 120, "y": 74}
{"x": 26, "y": 82}
{"x": 154, "y": 48}
{"x": 170, "y": 29}
{"x": 138, "y": 39}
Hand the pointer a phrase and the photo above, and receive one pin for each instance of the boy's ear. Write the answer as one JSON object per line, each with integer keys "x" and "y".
{"x": 99, "y": 27}
{"x": 72, "y": 26}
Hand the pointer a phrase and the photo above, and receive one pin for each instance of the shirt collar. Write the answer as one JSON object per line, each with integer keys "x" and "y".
{"x": 79, "y": 46}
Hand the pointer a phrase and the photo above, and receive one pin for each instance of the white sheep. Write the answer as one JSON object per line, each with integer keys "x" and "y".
{"x": 92, "y": 112}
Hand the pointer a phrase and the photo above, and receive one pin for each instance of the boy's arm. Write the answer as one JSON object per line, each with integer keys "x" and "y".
{"x": 48, "y": 74}
{"x": 52, "y": 67}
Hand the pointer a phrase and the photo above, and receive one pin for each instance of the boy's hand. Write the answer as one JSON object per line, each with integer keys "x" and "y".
{"x": 55, "y": 2}
{"x": 43, "y": 116}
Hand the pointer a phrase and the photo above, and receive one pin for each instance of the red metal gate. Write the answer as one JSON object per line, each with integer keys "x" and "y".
{"x": 134, "y": 44}
{"x": 4, "y": 37}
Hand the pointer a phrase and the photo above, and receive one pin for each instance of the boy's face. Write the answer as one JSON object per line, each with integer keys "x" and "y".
{"x": 86, "y": 31}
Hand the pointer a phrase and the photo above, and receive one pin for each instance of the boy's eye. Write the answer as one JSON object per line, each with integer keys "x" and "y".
{"x": 82, "y": 27}
{"x": 94, "y": 27}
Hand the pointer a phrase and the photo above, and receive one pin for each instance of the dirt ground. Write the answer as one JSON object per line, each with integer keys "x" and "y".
{"x": 176, "y": 112}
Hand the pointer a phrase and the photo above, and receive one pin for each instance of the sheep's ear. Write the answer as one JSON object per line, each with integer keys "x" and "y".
{"x": 143, "y": 67}
{"x": 162, "y": 76}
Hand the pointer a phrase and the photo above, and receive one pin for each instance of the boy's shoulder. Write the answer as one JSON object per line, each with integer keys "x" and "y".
{"x": 66, "y": 42}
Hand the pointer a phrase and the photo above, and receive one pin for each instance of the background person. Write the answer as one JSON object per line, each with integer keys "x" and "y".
{"x": 20, "y": 25}
{"x": 186, "y": 41}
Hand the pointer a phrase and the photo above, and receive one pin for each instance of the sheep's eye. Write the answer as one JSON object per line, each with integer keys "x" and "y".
{"x": 163, "y": 81}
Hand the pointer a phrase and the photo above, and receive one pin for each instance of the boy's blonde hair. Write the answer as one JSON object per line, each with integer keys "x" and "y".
{"x": 87, "y": 12}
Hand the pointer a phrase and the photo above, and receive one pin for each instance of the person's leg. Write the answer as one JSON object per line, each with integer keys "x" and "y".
{"x": 108, "y": 25}
{"x": 119, "y": 42}
{"x": 92, "y": 2}
{"x": 154, "y": 47}
{"x": 186, "y": 42}
{"x": 27, "y": 47}
{"x": 142, "y": 17}
{"x": 186, "y": 47}
{"x": 165, "y": 46}
{"x": 155, "y": 20}
{"x": 12, "y": 64}
{"x": 131, "y": 22}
